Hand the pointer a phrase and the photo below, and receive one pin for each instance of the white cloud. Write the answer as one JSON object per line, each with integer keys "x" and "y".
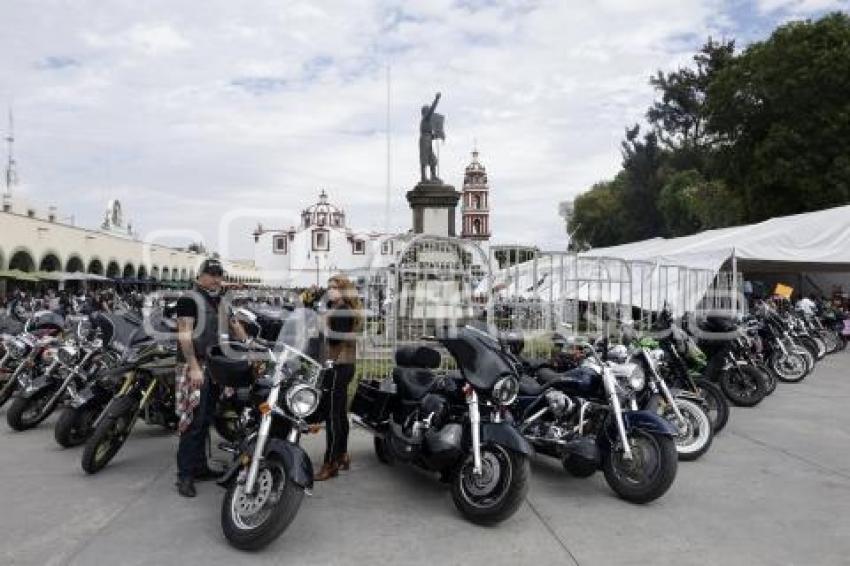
{"x": 801, "y": 7}
{"x": 189, "y": 109}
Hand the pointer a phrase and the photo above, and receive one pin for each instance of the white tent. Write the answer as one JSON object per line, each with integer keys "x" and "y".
{"x": 680, "y": 271}
{"x": 814, "y": 241}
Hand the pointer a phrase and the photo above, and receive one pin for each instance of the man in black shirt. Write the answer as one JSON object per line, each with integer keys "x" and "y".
{"x": 198, "y": 329}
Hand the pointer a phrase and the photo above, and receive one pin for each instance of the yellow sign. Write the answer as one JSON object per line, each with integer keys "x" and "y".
{"x": 783, "y": 291}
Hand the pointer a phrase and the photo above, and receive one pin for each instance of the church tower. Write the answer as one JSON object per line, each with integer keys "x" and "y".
{"x": 475, "y": 209}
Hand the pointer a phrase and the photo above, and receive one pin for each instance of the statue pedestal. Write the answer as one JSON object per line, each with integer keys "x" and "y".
{"x": 433, "y": 205}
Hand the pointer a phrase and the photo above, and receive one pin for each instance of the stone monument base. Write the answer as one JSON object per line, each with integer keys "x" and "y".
{"x": 433, "y": 205}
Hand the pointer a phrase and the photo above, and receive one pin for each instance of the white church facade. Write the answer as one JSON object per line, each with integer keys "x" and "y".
{"x": 323, "y": 243}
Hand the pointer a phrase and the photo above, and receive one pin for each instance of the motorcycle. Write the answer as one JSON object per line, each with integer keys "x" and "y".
{"x": 86, "y": 401}
{"x": 76, "y": 359}
{"x": 32, "y": 353}
{"x": 455, "y": 424}
{"x": 580, "y": 418}
{"x": 788, "y": 362}
{"x": 684, "y": 366}
{"x": 742, "y": 383}
{"x": 147, "y": 390}
{"x": 277, "y": 386}
{"x": 682, "y": 409}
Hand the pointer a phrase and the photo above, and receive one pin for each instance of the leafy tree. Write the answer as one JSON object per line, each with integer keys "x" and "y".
{"x": 680, "y": 117}
{"x": 596, "y": 215}
{"x": 735, "y": 138}
{"x": 782, "y": 108}
{"x": 642, "y": 161}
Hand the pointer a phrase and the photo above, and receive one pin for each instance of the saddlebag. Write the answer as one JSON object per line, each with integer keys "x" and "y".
{"x": 372, "y": 400}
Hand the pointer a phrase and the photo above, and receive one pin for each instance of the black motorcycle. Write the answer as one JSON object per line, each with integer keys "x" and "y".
{"x": 146, "y": 390}
{"x": 113, "y": 336}
{"x": 580, "y": 418}
{"x": 456, "y": 424}
{"x": 724, "y": 343}
{"x": 276, "y": 385}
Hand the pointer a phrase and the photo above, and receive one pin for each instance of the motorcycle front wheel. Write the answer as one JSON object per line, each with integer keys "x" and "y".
{"x": 790, "y": 368}
{"x": 251, "y": 522}
{"x": 650, "y": 472}
{"x": 74, "y": 426}
{"x": 695, "y": 434}
{"x": 28, "y": 412}
{"x": 109, "y": 435}
{"x": 499, "y": 490}
{"x": 744, "y": 385}
{"x": 7, "y": 389}
{"x": 717, "y": 406}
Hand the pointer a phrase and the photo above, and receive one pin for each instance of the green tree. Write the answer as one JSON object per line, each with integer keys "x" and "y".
{"x": 596, "y": 215}
{"x": 782, "y": 110}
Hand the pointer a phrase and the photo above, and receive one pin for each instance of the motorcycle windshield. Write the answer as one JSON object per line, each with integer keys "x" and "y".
{"x": 478, "y": 356}
{"x": 299, "y": 343}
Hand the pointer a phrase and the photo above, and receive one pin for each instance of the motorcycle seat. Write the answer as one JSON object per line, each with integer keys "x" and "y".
{"x": 579, "y": 380}
{"x": 414, "y": 383}
{"x": 530, "y": 388}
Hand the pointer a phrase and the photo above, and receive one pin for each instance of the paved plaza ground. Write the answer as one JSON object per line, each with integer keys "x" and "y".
{"x": 774, "y": 489}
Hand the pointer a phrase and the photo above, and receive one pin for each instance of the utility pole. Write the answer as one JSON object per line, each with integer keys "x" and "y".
{"x": 389, "y": 154}
{"x": 11, "y": 173}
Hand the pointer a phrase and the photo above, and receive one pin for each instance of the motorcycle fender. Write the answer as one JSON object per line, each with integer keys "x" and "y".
{"x": 298, "y": 463}
{"x": 689, "y": 396}
{"x": 230, "y": 473}
{"x": 82, "y": 398}
{"x": 507, "y": 436}
{"x": 35, "y": 386}
{"x": 644, "y": 420}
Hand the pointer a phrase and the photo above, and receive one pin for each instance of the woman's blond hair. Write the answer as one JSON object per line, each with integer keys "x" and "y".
{"x": 348, "y": 292}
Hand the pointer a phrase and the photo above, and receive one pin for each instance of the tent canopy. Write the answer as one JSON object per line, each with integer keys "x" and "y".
{"x": 813, "y": 241}
{"x": 680, "y": 272}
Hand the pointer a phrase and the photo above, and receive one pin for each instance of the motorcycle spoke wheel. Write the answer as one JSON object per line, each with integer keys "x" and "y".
{"x": 488, "y": 488}
{"x": 250, "y": 511}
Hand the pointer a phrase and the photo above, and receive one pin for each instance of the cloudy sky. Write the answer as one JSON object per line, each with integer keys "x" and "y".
{"x": 189, "y": 110}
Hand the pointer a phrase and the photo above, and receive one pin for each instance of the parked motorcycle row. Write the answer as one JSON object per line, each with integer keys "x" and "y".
{"x": 630, "y": 405}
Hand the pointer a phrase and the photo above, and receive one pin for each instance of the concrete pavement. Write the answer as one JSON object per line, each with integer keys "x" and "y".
{"x": 774, "y": 489}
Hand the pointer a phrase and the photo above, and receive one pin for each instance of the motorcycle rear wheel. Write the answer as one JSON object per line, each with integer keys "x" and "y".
{"x": 109, "y": 436}
{"x": 651, "y": 471}
{"x": 498, "y": 492}
{"x": 252, "y": 522}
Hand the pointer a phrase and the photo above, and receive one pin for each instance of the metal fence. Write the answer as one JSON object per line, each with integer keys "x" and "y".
{"x": 447, "y": 282}
{"x": 431, "y": 287}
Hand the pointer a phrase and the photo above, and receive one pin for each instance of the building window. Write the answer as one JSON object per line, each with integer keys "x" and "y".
{"x": 476, "y": 202}
{"x": 279, "y": 244}
{"x": 358, "y": 247}
{"x": 321, "y": 241}
{"x": 322, "y": 218}
{"x": 31, "y": 213}
{"x": 386, "y": 247}
{"x": 476, "y": 226}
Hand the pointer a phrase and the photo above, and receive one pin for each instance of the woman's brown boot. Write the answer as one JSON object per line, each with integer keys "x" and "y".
{"x": 328, "y": 471}
{"x": 344, "y": 462}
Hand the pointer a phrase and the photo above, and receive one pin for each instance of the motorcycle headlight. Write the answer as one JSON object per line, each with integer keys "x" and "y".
{"x": 506, "y": 390}
{"x": 302, "y": 400}
{"x": 49, "y": 354}
{"x": 67, "y": 355}
{"x": 637, "y": 379}
{"x": 17, "y": 348}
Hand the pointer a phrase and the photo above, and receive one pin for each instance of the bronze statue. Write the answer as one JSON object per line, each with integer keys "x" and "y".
{"x": 430, "y": 128}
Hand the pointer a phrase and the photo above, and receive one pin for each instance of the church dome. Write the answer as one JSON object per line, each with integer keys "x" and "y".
{"x": 323, "y": 213}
